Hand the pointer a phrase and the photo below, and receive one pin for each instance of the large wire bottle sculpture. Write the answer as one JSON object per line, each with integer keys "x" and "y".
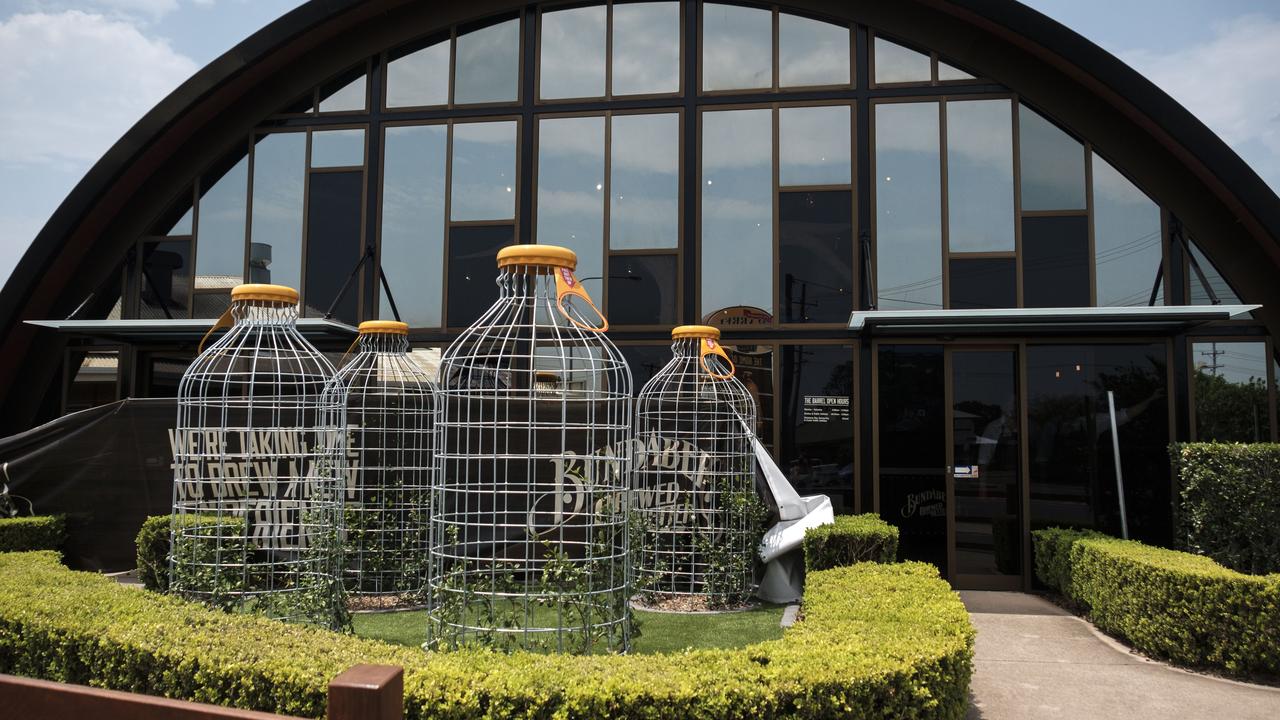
{"x": 390, "y": 419}
{"x": 695, "y": 497}
{"x": 529, "y": 506}
{"x": 258, "y": 467}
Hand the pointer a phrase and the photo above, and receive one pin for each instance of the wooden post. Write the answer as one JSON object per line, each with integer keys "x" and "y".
{"x": 367, "y": 692}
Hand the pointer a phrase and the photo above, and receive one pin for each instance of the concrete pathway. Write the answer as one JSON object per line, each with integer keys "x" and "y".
{"x": 1035, "y": 660}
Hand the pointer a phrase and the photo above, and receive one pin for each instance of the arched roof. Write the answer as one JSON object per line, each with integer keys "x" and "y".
{"x": 1172, "y": 155}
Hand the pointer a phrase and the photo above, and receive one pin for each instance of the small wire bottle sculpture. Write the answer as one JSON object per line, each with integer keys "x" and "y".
{"x": 390, "y": 420}
{"x": 694, "y": 474}
{"x": 258, "y": 467}
{"x": 529, "y": 544}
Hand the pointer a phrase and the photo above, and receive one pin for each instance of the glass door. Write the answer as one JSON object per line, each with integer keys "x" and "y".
{"x": 985, "y": 477}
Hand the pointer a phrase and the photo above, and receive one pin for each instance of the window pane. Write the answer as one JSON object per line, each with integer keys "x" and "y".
{"x": 571, "y": 192}
{"x": 333, "y": 242}
{"x": 413, "y": 222}
{"x": 337, "y": 148}
{"x": 646, "y": 48}
{"x": 220, "y": 229}
{"x": 1126, "y": 237}
{"x": 642, "y": 290}
{"x": 896, "y": 64}
{"x": 94, "y": 381}
{"x": 419, "y": 78}
{"x": 815, "y": 256}
{"x": 344, "y": 93}
{"x": 644, "y": 210}
{"x": 166, "y": 279}
{"x": 483, "y": 186}
{"x": 737, "y": 210}
{"x": 811, "y": 52}
{"x": 1055, "y": 261}
{"x": 947, "y": 72}
{"x": 644, "y": 360}
{"x": 737, "y": 47}
{"x": 572, "y": 63}
{"x": 1200, "y": 296}
{"x": 908, "y": 207}
{"x": 1231, "y": 392}
{"x": 488, "y": 64}
{"x": 472, "y": 269}
{"x": 984, "y": 283}
{"x": 980, "y": 176}
{"x": 813, "y": 145}
{"x": 1052, "y": 165}
{"x": 279, "y": 172}
{"x": 817, "y": 421}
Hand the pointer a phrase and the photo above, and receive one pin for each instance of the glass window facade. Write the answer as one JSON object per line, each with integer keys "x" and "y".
{"x": 814, "y": 145}
{"x": 908, "y": 202}
{"x": 812, "y": 52}
{"x": 419, "y": 77}
{"x": 573, "y": 47}
{"x": 1230, "y": 387}
{"x": 487, "y": 64}
{"x": 644, "y": 181}
{"x": 483, "y": 182}
{"x": 1052, "y": 165}
{"x": 980, "y": 176}
{"x": 646, "y": 48}
{"x": 897, "y": 64}
{"x": 737, "y": 47}
{"x": 737, "y": 209}
{"x": 413, "y": 223}
{"x": 571, "y": 192}
{"x": 279, "y": 192}
{"x": 1128, "y": 239}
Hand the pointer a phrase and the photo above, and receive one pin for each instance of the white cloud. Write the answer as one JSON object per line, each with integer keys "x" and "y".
{"x": 1229, "y": 82}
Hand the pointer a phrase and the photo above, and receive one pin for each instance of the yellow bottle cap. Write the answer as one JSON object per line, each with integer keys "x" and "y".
{"x": 267, "y": 293}
{"x": 383, "y": 327}
{"x": 538, "y": 255}
{"x": 695, "y": 331}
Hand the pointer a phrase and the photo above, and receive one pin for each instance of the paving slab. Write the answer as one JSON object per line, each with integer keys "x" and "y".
{"x": 1035, "y": 660}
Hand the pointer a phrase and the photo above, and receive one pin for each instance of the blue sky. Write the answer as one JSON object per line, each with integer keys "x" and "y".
{"x": 78, "y": 73}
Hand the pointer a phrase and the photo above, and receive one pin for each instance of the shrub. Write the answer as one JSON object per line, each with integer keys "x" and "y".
{"x": 42, "y": 532}
{"x": 153, "y": 545}
{"x": 1173, "y": 605}
{"x": 1229, "y": 503}
{"x": 851, "y": 539}
{"x": 877, "y": 641}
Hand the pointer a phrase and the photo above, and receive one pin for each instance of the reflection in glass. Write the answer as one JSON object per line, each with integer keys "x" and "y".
{"x": 1072, "y": 470}
{"x": 483, "y": 186}
{"x": 908, "y": 202}
{"x": 754, "y": 368}
{"x": 980, "y": 176}
{"x": 488, "y": 64}
{"x": 811, "y": 52}
{"x": 644, "y": 360}
{"x": 949, "y": 72}
{"x": 183, "y": 226}
{"x": 642, "y": 289}
{"x": 166, "y": 279}
{"x": 815, "y": 256}
{"x": 337, "y": 148}
{"x": 817, "y": 421}
{"x": 983, "y": 283}
{"x": 814, "y": 145}
{"x": 1052, "y": 164}
{"x": 279, "y": 172}
{"x": 472, "y": 249}
{"x": 220, "y": 229}
{"x": 912, "y": 453}
{"x": 1231, "y": 392}
{"x": 344, "y": 93}
{"x": 1199, "y": 295}
{"x": 334, "y": 201}
{"x": 896, "y": 64}
{"x": 1126, "y": 237}
{"x": 646, "y": 48}
{"x": 644, "y": 207}
{"x": 737, "y": 47}
{"x": 177, "y": 218}
{"x": 571, "y": 192}
{"x": 1055, "y": 261}
{"x": 413, "y": 222}
{"x": 419, "y": 78}
{"x": 572, "y": 47}
{"x": 737, "y": 209}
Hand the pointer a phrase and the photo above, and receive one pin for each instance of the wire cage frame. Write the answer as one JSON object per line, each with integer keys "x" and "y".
{"x": 391, "y": 405}
{"x": 697, "y": 511}
{"x": 529, "y": 544}
{"x": 258, "y": 468}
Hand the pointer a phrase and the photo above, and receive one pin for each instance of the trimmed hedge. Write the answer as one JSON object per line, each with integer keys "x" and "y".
{"x": 1173, "y": 605}
{"x": 877, "y": 641}
{"x": 1229, "y": 503}
{"x": 851, "y": 539}
{"x": 41, "y": 532}
{"x": 153, "y": 546}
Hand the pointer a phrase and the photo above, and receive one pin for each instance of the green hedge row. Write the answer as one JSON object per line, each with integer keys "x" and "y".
{"x": 1173, "y": 605}
{"x": 877, "y": 641}
{"x": 1229, "y": 503}
{"x": 153, "y": 547}
{"x": 42, "y": 532}
{"x": 851, "y": 539}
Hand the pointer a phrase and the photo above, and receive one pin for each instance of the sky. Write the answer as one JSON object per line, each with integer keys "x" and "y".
{"x": 79, "y": 73}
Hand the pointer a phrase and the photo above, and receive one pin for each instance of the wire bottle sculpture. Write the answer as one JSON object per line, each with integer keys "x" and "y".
{"x": 258, "y": 467}
{"x": 529, "y": 544}
{"x": 698, "y": 515}
{"x": 390, "y": 420}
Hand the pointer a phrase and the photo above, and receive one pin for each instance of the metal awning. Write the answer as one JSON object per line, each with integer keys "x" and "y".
{"x": 141, "y": 332}
{"x": 1043, "y": 321}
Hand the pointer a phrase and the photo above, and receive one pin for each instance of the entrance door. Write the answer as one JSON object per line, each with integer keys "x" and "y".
{"x": 984, "y": 469}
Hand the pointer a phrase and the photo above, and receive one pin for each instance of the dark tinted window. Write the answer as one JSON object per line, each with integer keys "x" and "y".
{"x": 815, "y": 248}
{"x": 166, "y": 279}
{"x": 472, "y": 270}
{"x": 983, "y": 283}
{"x": 1055, "y": 261}
{"x": 642, "y": 290}
{"x": 333, "y": 242}
{"x": 817, "y": 421}
{"x": 645, "y": 361}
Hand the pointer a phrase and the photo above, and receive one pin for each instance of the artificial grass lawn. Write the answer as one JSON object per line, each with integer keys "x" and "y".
{"x": 659, "y": 632}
